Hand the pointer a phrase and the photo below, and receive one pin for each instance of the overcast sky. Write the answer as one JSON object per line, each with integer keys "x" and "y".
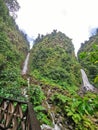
{"x": 75, "y": 18}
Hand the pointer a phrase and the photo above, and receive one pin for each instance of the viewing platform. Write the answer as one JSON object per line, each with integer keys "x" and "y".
{"x": 17, "y": 115}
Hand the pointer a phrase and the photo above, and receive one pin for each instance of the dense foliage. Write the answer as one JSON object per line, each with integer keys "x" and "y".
{"x": 88, "y": 57}
{"x": 54, "y": 74}
{"x": 13, "y": 48}
{"x": 53, "y": 59}
{"x": 80, "y": 111}
{"x": 71, "y": 109}
{"x": 13, "y": 7}
{"x": 55, "y": 70}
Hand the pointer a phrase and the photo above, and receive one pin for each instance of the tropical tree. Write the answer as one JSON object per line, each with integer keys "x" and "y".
{"x": 13, "y": 7}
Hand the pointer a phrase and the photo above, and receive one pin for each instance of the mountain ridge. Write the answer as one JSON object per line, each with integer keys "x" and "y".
{"x": 56, "y": 51}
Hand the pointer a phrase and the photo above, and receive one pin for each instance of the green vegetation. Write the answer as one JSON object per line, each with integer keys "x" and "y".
{"x": 55, "y": 69}
{"x": 88, "y": 57}
{"x": 53, "y": 59}
{"x": 36, "y": 96}
{"x": 78, "y": 111}
{"x": 54, "y": 73}
{"x": 13, "y": 48}
{"x": 81, "y": 111}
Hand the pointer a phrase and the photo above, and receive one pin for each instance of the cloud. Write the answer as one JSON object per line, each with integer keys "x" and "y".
{"x": 72, "y": 17}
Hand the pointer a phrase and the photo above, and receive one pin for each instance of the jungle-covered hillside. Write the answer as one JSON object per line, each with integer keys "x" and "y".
{"x": 53, "y": 58}
{"x": 53, "y": 81}
{"x": 56, "y": 83}
{"x": 88, "y": 57}
{"x": 13, "y": 49}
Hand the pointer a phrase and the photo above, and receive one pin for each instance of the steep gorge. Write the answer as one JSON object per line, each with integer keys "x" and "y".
{"x": 55, "y": 77}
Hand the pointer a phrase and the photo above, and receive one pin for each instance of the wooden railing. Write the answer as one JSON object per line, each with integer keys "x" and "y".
{"x": 17, "y": 115}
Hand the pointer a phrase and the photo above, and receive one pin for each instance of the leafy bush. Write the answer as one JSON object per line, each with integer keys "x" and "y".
{"x": 79, "y": 109}
{"x": 36, "y": 96}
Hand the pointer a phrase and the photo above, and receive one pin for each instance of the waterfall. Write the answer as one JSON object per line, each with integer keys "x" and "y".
{"x": 51, "y": 114}
{"x": 24, "y": 90}
{"x": 25, "y": 67}
{"x": 55, "y": 126}
{"x": 24, "y": 71}
{"x": 86, "y": 83}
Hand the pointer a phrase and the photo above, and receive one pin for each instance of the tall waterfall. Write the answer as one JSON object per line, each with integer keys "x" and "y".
{"x": 24, "y": 71}
{"x": 25, "y": 67}
{"x": 86, "y": 83}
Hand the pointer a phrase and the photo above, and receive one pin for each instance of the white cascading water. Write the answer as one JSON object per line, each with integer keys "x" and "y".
{"x": 24, "y": 71}
{"x": 25, "y": 67}
{"x": 86, "y": 83}
{"x": 24, "y": 90}
{"x": 55, "y": 126}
